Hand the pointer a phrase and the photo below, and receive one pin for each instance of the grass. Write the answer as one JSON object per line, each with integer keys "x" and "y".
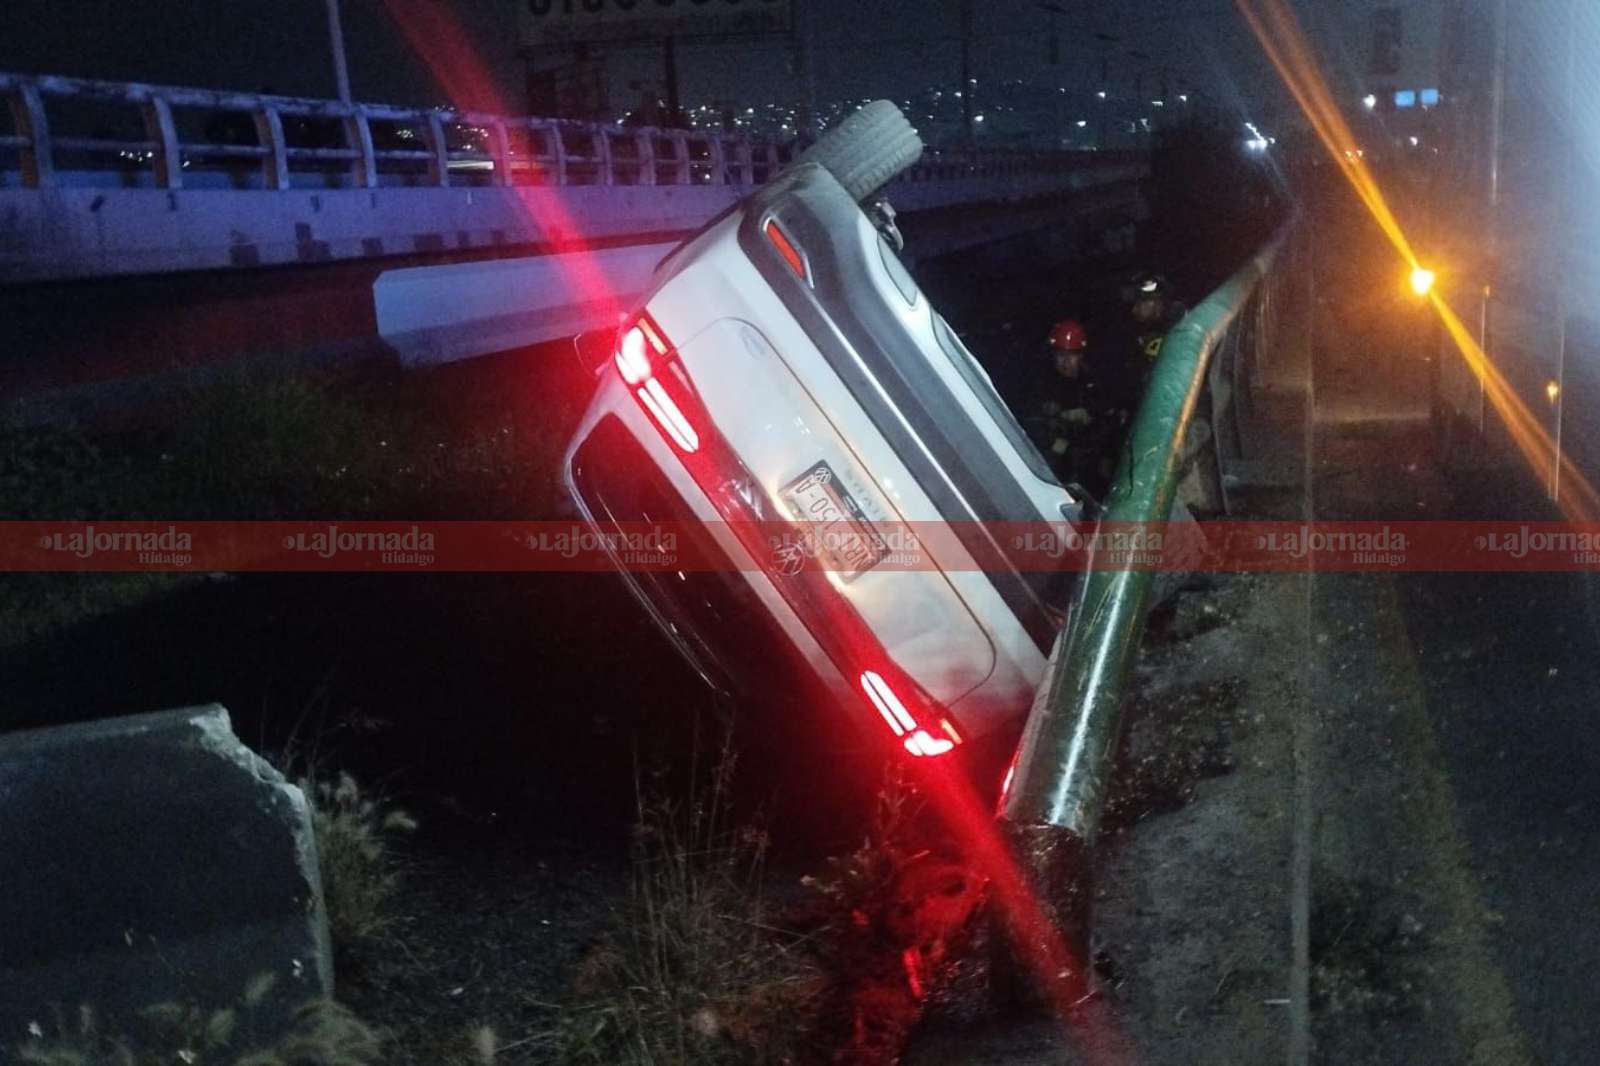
{"x": 703, "y": 968}
{"x": 360, "y": 870}
{"x": 265, "y": 445}
{"x": 696, "y": 970}
{"x": 322, "y": 1033}
{"x": 259, "y": 444}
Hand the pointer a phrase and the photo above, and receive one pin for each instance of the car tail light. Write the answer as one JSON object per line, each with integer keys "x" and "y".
{"x": 916, "y": 739}
{"x": 649, "y": 366}
{"x": 641, "y": 357}
{"x": 632, "y": 360}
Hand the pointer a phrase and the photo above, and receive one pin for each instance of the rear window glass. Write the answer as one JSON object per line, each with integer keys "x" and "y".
{"x": 621, "y": 484}
{"x": 967, "y": 366}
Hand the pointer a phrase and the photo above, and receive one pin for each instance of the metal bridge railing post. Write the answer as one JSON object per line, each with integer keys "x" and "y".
{"x": 358, "y": 136}
{"x": 499, "y": 151}
{"x": 159, "y": 127}
{"x": 38, "y": 157}
{"x": 558, "y": 146}
{"x": 644, "y": 146}
{"x": 600, "y": 146}
{"x": 438, "y": 149}
{"x": 680, "y": 145}
{"x": 716, "y": 160}
{"x": 275, "y": 162}
{"x": 747, "y": 162}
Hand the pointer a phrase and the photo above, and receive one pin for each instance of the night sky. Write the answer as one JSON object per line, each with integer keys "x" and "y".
{"x": 864, "y": 48}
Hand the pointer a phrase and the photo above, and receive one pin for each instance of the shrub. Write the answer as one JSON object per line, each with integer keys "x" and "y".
{"x": 360, "y": 872}
{"x": 696, "y": 971}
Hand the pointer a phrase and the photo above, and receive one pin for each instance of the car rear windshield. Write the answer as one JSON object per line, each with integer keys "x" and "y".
{"x": 967, "y": 366}
{"x": 714, "y": 611}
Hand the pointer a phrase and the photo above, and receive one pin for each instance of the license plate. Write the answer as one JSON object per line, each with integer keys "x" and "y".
{"x": 836, "y": 532}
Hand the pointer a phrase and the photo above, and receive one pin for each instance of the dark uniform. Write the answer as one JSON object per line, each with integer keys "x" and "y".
{"x": 1075, "y": 422}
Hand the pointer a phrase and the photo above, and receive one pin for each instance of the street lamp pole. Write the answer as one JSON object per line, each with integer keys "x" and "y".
{"x": 1056, "y": 11}
{"x": 341, "y": 71}
{"x": 807, "y": 27}
{"x": 967, "y": 125}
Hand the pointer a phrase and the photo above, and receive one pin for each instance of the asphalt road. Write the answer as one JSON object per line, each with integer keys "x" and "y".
{"x": 1485, "y": 686}
{"x": 1422, "y": 745}
{"x": 1459, "y": 732}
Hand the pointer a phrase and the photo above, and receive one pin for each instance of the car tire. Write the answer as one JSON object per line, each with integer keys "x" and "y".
{"x": 867, "y": 150}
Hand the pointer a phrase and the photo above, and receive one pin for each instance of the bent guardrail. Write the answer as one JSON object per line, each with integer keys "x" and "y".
{"x": 1053, "y": 802}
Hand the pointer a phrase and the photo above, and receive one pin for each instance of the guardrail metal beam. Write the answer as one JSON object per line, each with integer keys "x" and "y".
{"x": 1052, "y": 806}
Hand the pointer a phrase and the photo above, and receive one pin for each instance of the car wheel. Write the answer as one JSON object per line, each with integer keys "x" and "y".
{"x": 867, "y": 150}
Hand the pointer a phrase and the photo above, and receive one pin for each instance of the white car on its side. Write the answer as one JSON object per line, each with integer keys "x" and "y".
{"x": 785, "y": 368}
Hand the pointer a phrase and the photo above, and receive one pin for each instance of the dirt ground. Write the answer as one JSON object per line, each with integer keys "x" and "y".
{"x": 1191, "y": 904}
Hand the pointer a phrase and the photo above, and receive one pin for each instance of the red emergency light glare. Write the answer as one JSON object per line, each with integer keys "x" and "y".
{"x": 911, "y": 961}
{"x": 786, "y": 248}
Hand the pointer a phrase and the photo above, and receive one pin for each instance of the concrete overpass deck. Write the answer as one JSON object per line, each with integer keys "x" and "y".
{"x": 146, "y": 227}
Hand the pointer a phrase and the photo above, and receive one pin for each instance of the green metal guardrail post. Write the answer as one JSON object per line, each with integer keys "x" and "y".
{"x": 1052, "y": 807}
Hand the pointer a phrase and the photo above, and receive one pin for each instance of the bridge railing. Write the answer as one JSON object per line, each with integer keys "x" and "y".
{"x": 69, "y": 130}
{"x": 76, "y": 132}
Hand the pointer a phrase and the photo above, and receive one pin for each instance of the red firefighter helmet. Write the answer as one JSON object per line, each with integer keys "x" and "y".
{"x": 1068, "y": 335}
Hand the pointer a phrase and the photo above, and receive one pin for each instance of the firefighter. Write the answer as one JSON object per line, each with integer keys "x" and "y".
{"x": 1154, "y": 311}
{"x": 1071, "y": 416}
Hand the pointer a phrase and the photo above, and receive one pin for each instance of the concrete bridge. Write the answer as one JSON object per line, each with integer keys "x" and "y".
{"x": 148, "y": 228}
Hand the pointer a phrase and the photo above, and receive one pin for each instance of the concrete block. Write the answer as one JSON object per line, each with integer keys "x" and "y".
{"x": 152, "y": 859}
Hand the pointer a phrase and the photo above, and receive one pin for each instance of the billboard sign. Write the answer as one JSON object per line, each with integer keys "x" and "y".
{"x": 547, "y": 22}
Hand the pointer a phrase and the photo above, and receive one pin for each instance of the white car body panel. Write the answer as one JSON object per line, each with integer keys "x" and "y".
{"x": 776, "y": 399}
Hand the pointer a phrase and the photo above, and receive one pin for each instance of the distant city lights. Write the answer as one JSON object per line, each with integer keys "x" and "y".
{"x": 1014, "y": 111}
